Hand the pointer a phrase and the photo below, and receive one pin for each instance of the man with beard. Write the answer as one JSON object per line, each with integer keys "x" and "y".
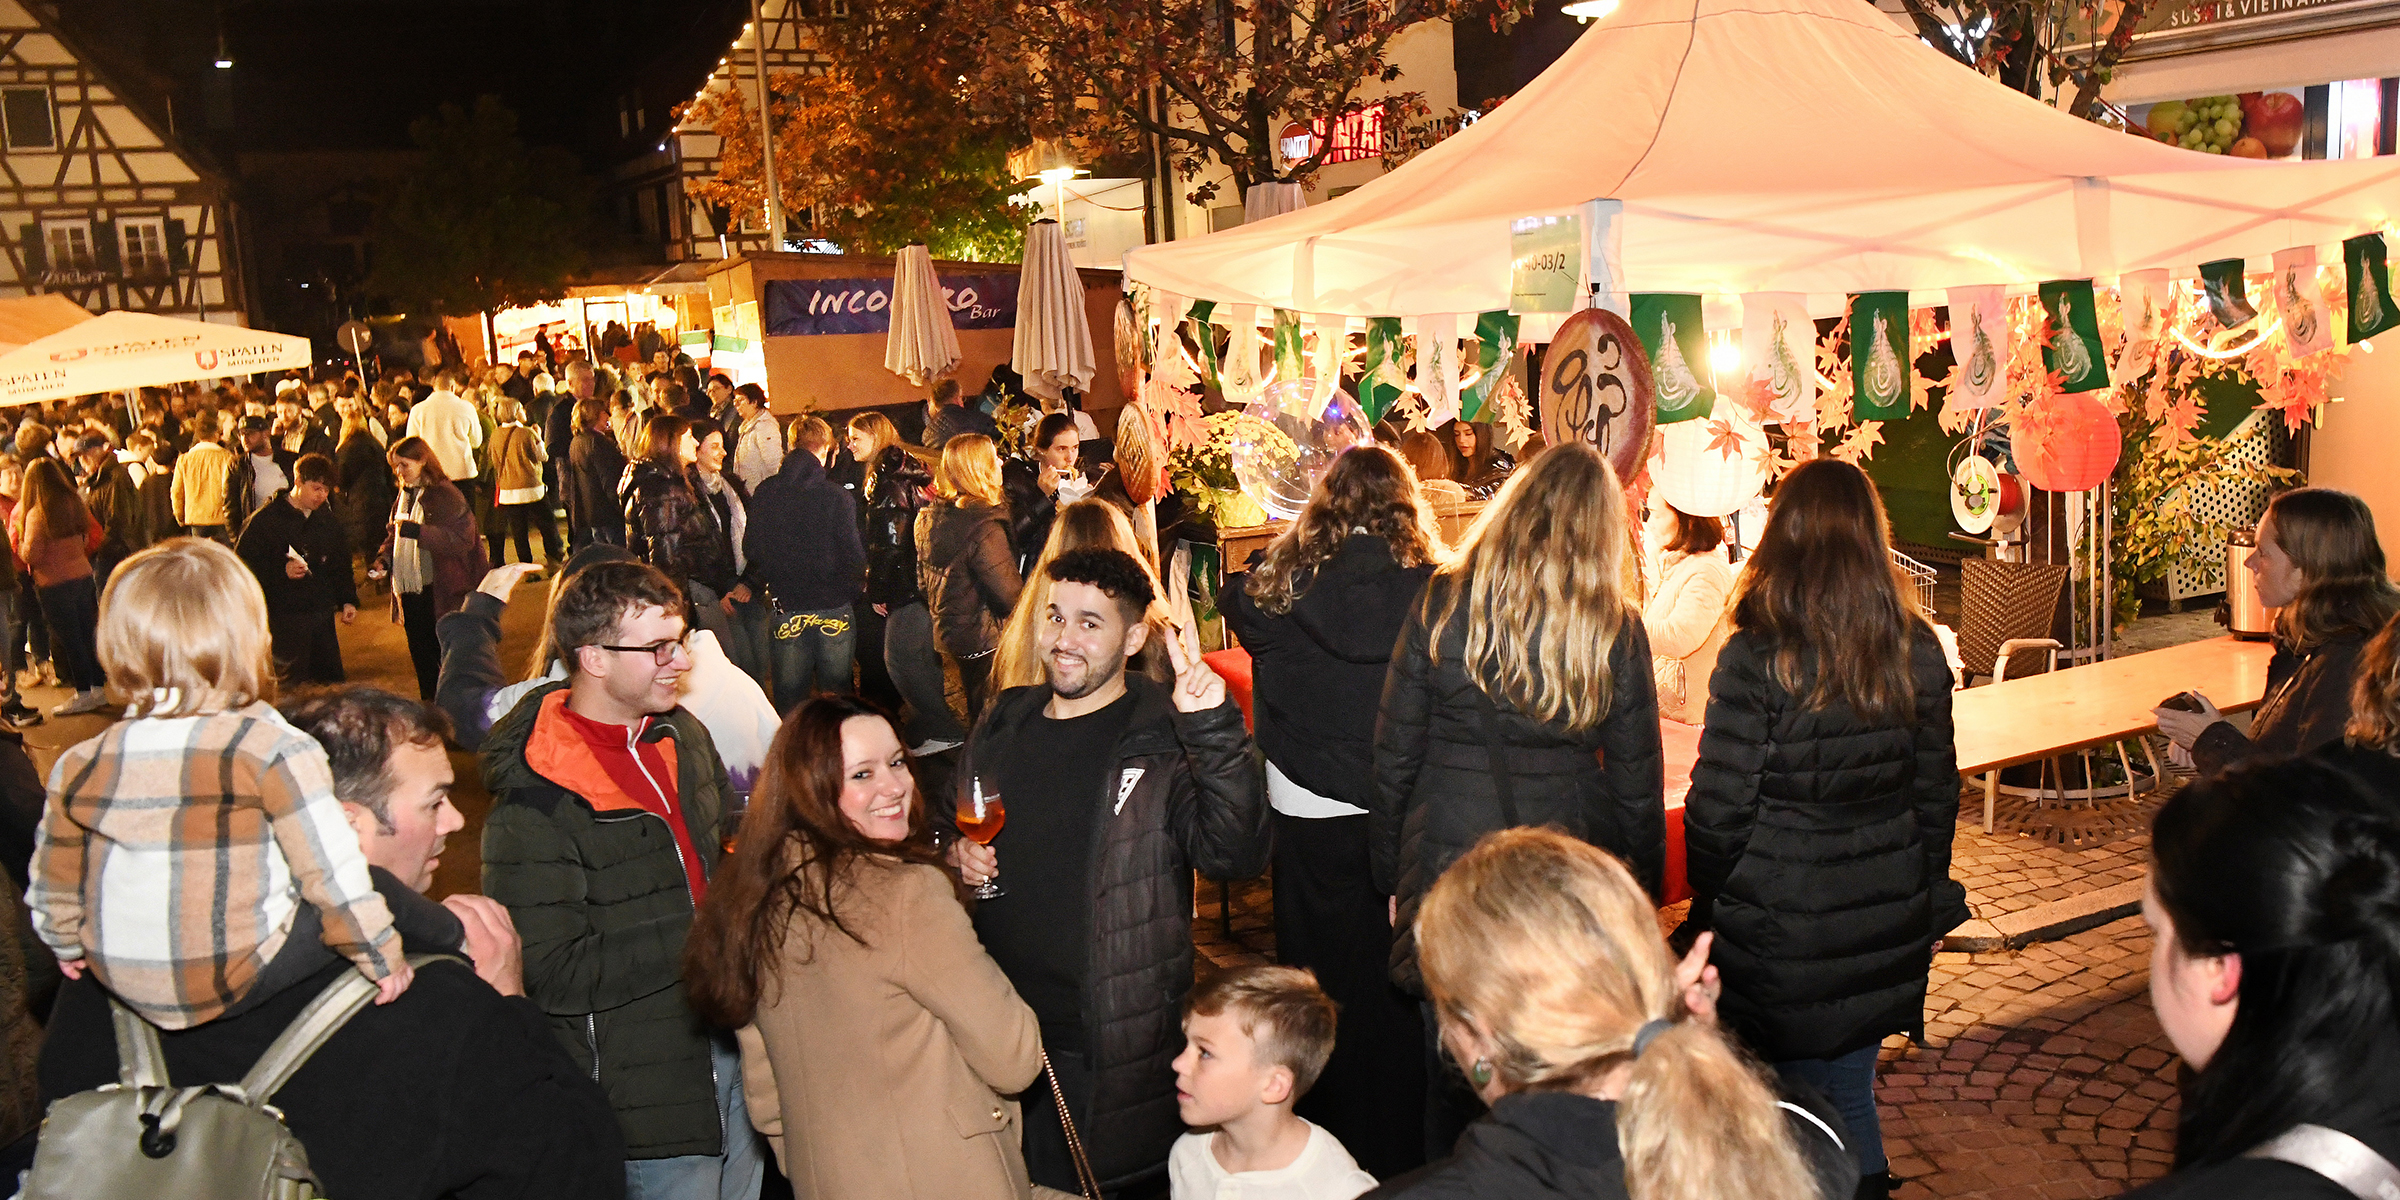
{"x": 1116, "y": 789}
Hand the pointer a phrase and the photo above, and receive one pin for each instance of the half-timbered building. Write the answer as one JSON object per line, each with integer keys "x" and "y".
{"x": 97, "y": 202}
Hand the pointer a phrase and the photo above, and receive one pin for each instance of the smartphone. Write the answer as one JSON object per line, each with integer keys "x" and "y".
{"x": 2183, "y": 702}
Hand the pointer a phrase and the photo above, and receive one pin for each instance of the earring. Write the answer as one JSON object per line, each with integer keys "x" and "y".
{"x": 1481, "y": 1072}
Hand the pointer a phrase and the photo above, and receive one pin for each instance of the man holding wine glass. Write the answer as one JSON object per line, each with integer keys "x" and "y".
{"x": 1117, "y": 789}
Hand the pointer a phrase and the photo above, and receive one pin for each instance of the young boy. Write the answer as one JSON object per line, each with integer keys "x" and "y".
{"x": 1254, "y": 1040}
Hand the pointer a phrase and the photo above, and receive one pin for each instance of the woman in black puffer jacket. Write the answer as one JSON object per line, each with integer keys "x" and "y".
{"x": 670, "y": 527}
{"x": 1319, "y": 615}
{"x": 1819, "y": 822}
{"x": 896, "y": 492}
{"x": 1520, "y": 693}
{"x": 964, "y": 565}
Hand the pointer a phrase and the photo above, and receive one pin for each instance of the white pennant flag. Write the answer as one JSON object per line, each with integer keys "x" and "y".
{"x": 2299, "y": 303}
{"x": 1779, "y": 342}
{"x": 1437, "y": 367}
{"x": 1979, "y": 340}
{"x": 1327, "y": 365}
{"x": 1238, "y": 375}
{"x": 2142, "y": 308}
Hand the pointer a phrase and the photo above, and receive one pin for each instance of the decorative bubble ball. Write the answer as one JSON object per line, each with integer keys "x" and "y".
{"x": 1280, "y": 454}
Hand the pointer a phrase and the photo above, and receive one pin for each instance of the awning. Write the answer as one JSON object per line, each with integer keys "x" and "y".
{"x": 117, "y": 351}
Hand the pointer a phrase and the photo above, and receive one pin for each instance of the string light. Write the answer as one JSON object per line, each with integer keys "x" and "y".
{"x": 2216, "y": 352}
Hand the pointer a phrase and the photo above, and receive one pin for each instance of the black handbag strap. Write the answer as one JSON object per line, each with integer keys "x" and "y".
{"x": 1490, "y": 717}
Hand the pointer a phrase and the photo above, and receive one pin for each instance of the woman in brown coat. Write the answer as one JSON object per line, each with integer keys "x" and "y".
{"x": 880, "y": 1043}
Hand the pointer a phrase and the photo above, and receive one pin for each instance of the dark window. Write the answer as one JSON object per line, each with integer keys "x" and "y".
{"x": 27, "y": 110}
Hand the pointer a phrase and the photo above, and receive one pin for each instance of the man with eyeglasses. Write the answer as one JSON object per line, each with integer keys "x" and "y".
{"x": 604, "y": 833}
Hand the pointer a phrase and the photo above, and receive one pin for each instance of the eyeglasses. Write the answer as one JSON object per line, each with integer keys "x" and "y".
{"x": 662, "y": 652}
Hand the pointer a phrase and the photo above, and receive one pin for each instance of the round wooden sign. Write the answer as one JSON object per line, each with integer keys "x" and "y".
{"x": 1141, "y": 453}
{"x": 1597, "y": 388}
{"x": 1129, "y": 352}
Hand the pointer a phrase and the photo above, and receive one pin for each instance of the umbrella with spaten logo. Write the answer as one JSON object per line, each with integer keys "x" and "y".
{"x": 118, "y": 351}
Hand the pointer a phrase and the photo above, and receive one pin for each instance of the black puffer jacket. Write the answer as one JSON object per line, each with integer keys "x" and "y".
{"x": 1818, "y": 847}
{"x": 969, "y": 579}
{"x": 2307, "y": 704}
{"x": 1435, "y": 792}
{"x": 1538, "y": 1145}
{"x": 1198, "y": 803}
{"x": 1314, "y": 663}
{"x": 891, "y": 528}
{"x": 668, "y": 526}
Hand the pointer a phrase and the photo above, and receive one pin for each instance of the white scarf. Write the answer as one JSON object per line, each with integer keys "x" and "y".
{"x": 412, "y": 565}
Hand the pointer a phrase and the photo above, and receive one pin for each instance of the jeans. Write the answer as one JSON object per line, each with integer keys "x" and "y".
{"x": 733, "y": 1175}
{"x": 916, "y": 669}
{"x": 813, "y": 651}
{"x": 73, "y": 610}
{"x": 751, "y": 647}
{"x": 1848, "y": 1083}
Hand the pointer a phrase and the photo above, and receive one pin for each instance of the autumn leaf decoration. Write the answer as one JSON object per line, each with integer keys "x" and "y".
{"x": 1724, "y": 439}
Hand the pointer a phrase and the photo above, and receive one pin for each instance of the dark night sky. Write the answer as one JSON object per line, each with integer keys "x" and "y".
{"x": 345, "y": 74}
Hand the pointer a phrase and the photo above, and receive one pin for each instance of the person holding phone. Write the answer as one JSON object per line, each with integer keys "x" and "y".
{"x": 1117, "y": 788}
{"x": 1037, "y": 487}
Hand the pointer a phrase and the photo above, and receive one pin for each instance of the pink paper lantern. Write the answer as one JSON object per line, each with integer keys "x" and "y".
{"x": 2066, "y": 443}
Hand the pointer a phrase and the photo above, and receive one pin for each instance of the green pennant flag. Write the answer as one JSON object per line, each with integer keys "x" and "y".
{"x": 1204, "y": 335}
{"x": 2072, "y": 347}
{"x": 2370, "y": 279}
{"x": 1672, "y": 334}
{"x": 2228, "y": 300}
{"x": 1879, "y": 386}
{"x": 1290, "y": 363}
{"x": 1381, "y": 379}
{"x": 1495, "y": 342}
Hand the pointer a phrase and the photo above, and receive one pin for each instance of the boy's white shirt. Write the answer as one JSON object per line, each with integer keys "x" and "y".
{"x": 1324, "y": 1171}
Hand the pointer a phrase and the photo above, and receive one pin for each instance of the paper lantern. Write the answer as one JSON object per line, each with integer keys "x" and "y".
{"x": 1711, "y": 466}
{"x": 2066, "y": 443}
{"x": 1597, "y": 388}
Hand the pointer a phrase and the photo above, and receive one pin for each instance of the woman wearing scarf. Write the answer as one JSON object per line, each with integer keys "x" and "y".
{"x": 432, "y": 551}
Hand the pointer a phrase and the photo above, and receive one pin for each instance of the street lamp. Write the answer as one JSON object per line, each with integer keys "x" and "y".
{"x": 1049, "y": 161}
{"x": 224, "y": 53}
{"x": 1587, "y": 11}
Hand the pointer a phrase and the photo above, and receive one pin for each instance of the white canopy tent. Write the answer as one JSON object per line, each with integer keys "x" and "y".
{"x": 25, "y": 319}
{"x": 118, "y": 351}
{"x": 1796, "y": 146}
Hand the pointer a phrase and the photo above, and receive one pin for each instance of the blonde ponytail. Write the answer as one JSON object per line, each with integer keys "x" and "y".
{"x": 1548, "y": 948}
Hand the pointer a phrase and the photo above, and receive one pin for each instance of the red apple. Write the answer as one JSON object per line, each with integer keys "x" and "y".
{"x": 2248, "y": 147}
{"x": 2275, "y": 119}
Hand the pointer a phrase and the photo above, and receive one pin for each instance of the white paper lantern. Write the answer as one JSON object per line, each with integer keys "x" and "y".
{"x": 1712, "y": 466}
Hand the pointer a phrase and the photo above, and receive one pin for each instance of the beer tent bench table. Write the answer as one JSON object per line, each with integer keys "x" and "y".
{"x": 2036, "y": 717}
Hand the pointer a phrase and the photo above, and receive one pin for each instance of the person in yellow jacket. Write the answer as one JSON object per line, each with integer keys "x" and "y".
{"x": 198, "y": 487}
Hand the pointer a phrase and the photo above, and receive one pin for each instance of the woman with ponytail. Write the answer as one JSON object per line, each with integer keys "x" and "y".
{"x": 2275, "y": 899}
{"x": 1559, "y": 999}
{"x": 1822, "y": 806}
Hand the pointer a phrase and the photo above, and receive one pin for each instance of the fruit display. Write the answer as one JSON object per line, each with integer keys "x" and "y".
{"x": 2251, "y": 125}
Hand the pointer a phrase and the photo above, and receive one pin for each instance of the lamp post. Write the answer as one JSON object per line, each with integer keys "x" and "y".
{"x": 766, "y": 128}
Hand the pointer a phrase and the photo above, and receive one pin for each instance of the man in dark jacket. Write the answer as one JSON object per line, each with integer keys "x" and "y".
{"x": 605, "y": 828}
{"x": 455, "y": 1089}
{"x": 259, "y": 471}
{"x": 803, "y": 551}
{"x": 558, "y": 434}
{"x": 1117, "y": 790}
{"x": 949, "y": 415}
{"x": 300, "y": 551}
{"x": 115, "y": 502}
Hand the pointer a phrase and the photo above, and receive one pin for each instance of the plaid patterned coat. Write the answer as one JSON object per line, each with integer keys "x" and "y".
{"x": 174, "y": 853}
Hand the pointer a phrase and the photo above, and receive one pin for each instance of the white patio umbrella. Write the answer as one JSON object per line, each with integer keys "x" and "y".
{"x": 921, "y": 346}
{"x": 25, "y": 319}
{"x": 1054, "y": 339}
{"x": 117, "y": 351}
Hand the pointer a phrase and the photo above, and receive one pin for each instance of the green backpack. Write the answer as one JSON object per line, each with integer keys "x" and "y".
{"x": 142, "y": 1136}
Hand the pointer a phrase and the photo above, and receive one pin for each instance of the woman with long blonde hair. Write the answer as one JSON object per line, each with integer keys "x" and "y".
{"x": 1818, "y": 827}
{"x": 964, "y": 566}
{"x": 1319, "y": 614}
{"x": 1083, "y": 525}
{"x": 1520, "y": 693}
{"x": 1559, "y": 1001}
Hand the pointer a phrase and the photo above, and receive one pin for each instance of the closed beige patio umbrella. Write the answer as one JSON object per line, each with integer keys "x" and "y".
{"x": 922, "y": 346}
{"x": 1054, "y": 338}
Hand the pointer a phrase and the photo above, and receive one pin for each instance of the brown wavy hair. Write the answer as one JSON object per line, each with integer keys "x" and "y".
{"x": 2330, "y": 536}
{"x": 1823, "y": 591}
{"x": 794, "y": 867}
{"x": 2375, "y": 694}
{"x": 1545, "y": 946}
{"x": 1547, "y": 555}
{"x": 1368, "y": 489}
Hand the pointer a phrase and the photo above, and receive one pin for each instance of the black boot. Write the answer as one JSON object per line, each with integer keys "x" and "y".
{"x": 1877, "y": 1186}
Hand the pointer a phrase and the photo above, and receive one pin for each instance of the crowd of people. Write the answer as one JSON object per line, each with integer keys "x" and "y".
{"x": 761, "y": 899}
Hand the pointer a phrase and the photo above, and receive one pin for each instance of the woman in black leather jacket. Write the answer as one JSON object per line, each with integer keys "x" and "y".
{"x": 669, "y": 527}
{"x": 896, "y": 489}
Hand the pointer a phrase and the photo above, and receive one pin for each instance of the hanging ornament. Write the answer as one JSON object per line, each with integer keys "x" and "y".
{"x": 2300, "y": 303}
{"x": 1495, "y": 356}
{"x": 1596, "y": 388}
{"x": 1979, "y": 339}
{"x": 2228, "y": 298}
{"x": 2065, "y": 443}
{"x": 2072, "y": 348}
{"x": 1383, "y": 376}
{"x": 2142, "y": 303}
{"x": 1712, "y": 466}
{"x": 1779, "y": 342}
{"x": 2371, "y": 307}
{"x": 1437, "y": 367}
{"x": 1879, "y": 355}
{"x": 1673, "y": 335}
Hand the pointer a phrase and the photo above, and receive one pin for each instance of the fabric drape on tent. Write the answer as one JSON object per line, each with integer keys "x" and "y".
{"x": 26, "y": 319}
{"x": 1053, "y": 348}
{"x": 922, "y": 345}
{"x": 1808, "y": 146}
{"x": 119, "y": 350}
{"x": 1265, "y": 200}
